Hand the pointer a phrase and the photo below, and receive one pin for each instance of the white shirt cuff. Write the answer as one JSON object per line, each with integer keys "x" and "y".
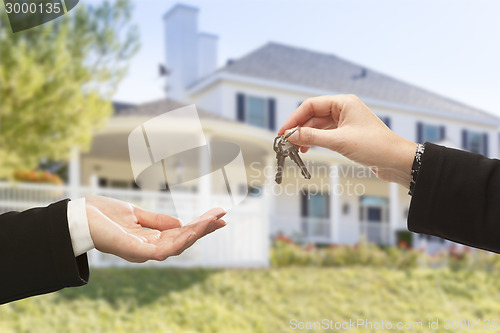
{"x": 79, "y": 227}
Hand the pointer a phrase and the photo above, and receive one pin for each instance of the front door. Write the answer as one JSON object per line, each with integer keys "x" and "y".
{"x": 374, "y": 222}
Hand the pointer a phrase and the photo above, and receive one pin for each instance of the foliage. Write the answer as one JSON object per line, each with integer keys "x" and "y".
{"x": 37, "y": 177}
{"x": 259, "y": 300}
{"x": 287, "y": 253}
{"x": 56, "y": 81}
{"x": 404, "y": 237}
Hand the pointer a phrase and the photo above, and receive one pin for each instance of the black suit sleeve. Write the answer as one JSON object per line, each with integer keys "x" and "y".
{"x": 457, "y": 197}
{"x": 36, "y": 254}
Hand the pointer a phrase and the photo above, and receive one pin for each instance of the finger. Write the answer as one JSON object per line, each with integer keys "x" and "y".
{"x": 321, "y": 123}
{"x": 322, "y": 106}
{"x": 216, "y": 224}
{"x": 155, "y": 220}
{"x": 304, "y": 149}
{"x": 209, "y": 215}
{"x": 200, "y": 225}
{"x": 174, "y": 242}
{"x": 307, "y": 136}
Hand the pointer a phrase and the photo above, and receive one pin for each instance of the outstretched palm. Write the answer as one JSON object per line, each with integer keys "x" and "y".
{"x": 138, "y": 235}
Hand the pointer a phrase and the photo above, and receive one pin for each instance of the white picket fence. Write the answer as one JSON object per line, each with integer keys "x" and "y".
{"x": 244, "y": 242}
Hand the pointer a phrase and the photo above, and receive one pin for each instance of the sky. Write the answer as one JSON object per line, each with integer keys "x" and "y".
{"x": 451, "y": 47}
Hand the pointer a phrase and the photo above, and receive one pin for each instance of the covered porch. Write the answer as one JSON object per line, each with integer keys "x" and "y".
{"x": 342, "y": 204}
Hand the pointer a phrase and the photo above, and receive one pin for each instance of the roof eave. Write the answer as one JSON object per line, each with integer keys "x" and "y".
{"x": 213, "y": 79}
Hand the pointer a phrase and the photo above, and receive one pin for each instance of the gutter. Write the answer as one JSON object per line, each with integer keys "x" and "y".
{"x": 220, "y": 76}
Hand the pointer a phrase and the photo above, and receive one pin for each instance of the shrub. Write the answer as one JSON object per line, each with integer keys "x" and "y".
{"x": 286, "y": 253}
{"x": 37, "y": 177}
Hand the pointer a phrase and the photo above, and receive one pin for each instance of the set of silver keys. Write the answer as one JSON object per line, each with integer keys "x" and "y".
{"x": 284, "y": 149}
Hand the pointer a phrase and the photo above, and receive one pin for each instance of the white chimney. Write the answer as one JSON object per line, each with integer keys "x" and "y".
{"x": 189, "y": 55}
{"x": 181, "y": 27}
{"x": 207, "y": 54}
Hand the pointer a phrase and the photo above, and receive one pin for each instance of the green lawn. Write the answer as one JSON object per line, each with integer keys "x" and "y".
{"x": 264, "y": 300}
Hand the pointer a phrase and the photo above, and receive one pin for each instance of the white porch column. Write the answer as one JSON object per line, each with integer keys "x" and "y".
{"x": 74, "y": 173}
{"x": 204, "y": 198}
{"x": 394, "y": 214}
{"x": 94, "y": 184}
{"x": 204, "y": 183}
{"x": 335, "y": 208}
{"x": 268, "y": 202}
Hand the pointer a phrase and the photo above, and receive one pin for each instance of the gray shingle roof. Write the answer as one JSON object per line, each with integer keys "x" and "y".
{"x": 311, "y": 69}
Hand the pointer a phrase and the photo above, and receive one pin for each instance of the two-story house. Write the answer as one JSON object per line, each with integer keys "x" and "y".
{"x": 247, "y": 100}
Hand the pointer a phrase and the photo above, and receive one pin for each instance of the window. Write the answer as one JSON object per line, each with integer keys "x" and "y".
{"x": 256, "y": 111}
{"x": 103, "y": 182}
{"x": 374, "y": 214}
{"x": 315, "y": 211}
{"x": 113, "y": 183}
{"x": 254, "y": 191}
{"x": 373, "y": 209}
{"x": 475, "y": 142}
{"x": 430, "y": 133}
{"x": 315, "y": 205}
{"x": 119, "y": 184}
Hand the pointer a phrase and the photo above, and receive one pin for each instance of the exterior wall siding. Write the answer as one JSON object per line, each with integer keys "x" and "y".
{"x": 286, "y": 214}
{"x": 220, "y": 98}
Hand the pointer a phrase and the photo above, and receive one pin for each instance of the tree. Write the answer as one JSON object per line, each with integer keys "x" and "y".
{"x": 56, "y": 82}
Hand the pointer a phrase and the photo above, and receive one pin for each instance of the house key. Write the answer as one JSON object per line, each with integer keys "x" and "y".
{"x": 283, "y": 149}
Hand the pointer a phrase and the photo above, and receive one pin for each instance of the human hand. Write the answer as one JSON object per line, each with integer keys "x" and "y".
{"x": 118, "y": 228}
{"x": 343, "y": 123}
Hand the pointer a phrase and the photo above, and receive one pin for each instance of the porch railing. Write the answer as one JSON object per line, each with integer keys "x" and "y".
{"x": 308, "y": 229}
{"x": 244, "y": 242}
{"x": 376, "y": 232}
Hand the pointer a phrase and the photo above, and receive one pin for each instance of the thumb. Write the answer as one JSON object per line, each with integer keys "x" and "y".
{"x": 308, "y": 136}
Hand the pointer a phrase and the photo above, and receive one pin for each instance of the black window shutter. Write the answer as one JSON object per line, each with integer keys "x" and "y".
{"x": 240, "y": 106}
{"x": 304, "y": 205}
{"x": 420, "y": 132}
{"x": 485, "y": 144}
{"x": 272, "y": 114}
{"x": 464, "y": 140}
{"x": 442, "y": 132}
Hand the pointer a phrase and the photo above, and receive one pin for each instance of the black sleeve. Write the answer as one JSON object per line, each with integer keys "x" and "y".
{"x": 36, "y": 254}
{"x": 457, "y": 197}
